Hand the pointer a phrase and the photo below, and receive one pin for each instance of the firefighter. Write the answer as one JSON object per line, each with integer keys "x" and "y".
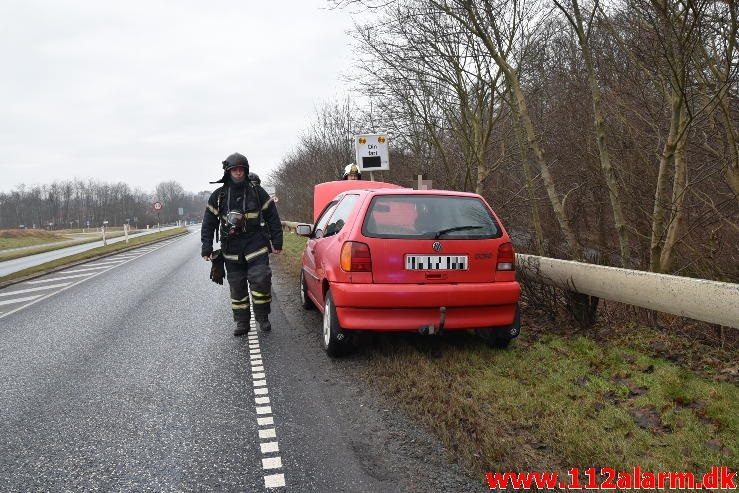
{"x": 246, "y": 218}
{"x": 351, "y": 172}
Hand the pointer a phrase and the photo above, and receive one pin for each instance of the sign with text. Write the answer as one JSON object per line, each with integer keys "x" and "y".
{"x": 372, "y": 152}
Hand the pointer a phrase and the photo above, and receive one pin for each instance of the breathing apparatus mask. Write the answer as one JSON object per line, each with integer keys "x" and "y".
{"x": 235, "y": 223}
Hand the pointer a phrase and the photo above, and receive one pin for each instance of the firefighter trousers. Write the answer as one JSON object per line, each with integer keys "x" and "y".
{"x": 254, "y": 275}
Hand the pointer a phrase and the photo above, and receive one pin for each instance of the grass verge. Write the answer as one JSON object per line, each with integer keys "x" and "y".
{"x": 17, "y": 238}
{"x": 42, "y": 248}
{"x": 558, "y": 399}
{"x": 91, "y": 254}
{"x": 292, "y": 248}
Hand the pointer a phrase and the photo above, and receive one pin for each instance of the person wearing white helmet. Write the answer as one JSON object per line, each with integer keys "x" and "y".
{"x": 351, "y": 172}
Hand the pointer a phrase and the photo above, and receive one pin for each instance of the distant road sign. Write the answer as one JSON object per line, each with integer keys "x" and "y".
{"x": 157, "y": 206}
{"x": 181, "y": 211}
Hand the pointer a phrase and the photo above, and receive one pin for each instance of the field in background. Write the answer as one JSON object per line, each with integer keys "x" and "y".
{"x": 619, "y": 395}
{"x": 17, "y": 238}
{"x": 95, "y": 252}
{"x": 16, "y": 243}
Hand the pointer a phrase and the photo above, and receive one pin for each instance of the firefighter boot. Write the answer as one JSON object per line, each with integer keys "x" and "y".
{"x": 264, "y": 325}
{"x": 242, "y": 327}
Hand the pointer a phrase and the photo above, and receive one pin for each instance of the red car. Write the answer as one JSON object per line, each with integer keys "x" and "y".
{"x": 385, "y": 258}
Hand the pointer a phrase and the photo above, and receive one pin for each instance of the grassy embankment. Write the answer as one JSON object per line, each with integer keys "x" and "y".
{"x": 95, "y": 252}
{"x": 558, "y": 399}
{"x": 17, "y": 238}
{"x": 46, "y": 241}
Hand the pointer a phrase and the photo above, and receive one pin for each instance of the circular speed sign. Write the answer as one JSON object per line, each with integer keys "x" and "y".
{"x": 157, "y": 206}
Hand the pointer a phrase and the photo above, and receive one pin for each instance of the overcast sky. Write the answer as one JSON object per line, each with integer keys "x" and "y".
{"x": 148, "y": 91}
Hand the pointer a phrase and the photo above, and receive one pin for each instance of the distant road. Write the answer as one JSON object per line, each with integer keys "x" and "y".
{"x": 18, "y": 264}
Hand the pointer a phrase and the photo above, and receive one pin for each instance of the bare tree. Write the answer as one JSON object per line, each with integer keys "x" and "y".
{"x": 582, "y": 28}
{"x": 499, "y": 25}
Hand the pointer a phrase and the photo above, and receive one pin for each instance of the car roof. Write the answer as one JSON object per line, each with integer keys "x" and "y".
{"x": 325, "y": 192}
{"x": 411, "y": 191}
{"x": 329, "y": 191}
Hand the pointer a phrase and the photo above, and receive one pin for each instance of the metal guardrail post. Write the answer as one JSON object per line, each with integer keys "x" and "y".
{"x": 710, "y": 301}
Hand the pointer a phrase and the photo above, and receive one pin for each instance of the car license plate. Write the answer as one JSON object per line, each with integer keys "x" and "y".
{"x": 436, "y": 262}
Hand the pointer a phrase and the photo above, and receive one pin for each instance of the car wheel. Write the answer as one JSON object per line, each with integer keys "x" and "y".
{"x": 335, "y": 341}
{"x": 501, "y": 337}
{"x": 305, "y": 302}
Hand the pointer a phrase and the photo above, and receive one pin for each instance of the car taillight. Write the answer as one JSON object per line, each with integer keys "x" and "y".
{"x": 506, "y": 257}
{"x": 355, "y": 257}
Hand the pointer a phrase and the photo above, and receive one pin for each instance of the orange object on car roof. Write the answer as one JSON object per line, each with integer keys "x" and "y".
{"x": 323, "y": 193}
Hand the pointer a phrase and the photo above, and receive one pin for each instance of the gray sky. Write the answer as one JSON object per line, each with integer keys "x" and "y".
{"x": 148, "y": 91}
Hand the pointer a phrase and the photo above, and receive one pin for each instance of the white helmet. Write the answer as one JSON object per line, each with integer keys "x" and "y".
{"x": 352, "y": 169}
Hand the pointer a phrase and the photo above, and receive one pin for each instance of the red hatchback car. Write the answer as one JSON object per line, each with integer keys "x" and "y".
{"x": 384, "y": 258}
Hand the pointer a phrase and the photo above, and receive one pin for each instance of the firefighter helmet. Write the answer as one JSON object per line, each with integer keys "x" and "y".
{"x": 235, "y": 160}
{"x": 352, "y": 170}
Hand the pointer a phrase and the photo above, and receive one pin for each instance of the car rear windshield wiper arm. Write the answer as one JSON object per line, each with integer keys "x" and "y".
{"x": 456, "y": 228}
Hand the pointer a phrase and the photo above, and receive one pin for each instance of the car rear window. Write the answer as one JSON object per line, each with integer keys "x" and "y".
{"x": 429, "y": 216}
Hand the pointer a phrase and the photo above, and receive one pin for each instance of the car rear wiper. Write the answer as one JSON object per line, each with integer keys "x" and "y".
{"x": 456, "y": 228}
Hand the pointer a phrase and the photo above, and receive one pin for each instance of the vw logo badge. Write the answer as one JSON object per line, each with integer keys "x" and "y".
{"x": 436, "y": 246}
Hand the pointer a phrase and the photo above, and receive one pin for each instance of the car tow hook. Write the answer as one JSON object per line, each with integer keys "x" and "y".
{"x": 432, "y": 329}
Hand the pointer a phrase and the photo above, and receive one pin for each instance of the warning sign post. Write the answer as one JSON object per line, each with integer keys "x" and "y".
{"x": 372, "y": 152}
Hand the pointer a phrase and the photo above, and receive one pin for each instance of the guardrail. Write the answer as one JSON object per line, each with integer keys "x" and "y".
{"x": 709, "y": 301}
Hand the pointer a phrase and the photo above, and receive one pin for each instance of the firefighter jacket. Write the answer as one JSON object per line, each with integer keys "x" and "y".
{"x": 245, "y": 237}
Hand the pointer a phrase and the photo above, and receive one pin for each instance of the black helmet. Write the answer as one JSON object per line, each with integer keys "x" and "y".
{"x": 254, "y": 178}
{"x": 235, "y": 160}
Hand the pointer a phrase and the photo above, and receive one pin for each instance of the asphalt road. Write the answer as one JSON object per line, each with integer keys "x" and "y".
{"x": 125, "y": 376}
{"x": 18, "y": 264}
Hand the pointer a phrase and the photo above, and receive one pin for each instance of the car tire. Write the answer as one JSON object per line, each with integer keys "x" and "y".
{"x": 334, "y": 340}
{"x": 305, "y": 301}
{"x": 501, "y": 337}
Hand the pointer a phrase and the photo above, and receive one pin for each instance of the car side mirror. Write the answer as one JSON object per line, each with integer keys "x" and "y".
{"x": 303, "y": 229}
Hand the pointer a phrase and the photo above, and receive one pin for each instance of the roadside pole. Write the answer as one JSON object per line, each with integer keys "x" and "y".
{"x": 158, "y": 208}
{"x": 125, "y": 232}
{"x": 105, "y": 242}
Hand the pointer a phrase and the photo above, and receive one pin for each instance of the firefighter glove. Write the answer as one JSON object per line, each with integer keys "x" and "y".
{"x": 217, "y": 268}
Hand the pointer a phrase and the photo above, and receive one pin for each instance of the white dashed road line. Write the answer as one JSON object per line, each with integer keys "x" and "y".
{"x": 20, "y": 300}
{"x": 57, "y": 279}
{"x": 110, "y": 262}
{"x": 268, "y": 445}
{"x": 88, "y": 269}
{"x": 31, "y": 290}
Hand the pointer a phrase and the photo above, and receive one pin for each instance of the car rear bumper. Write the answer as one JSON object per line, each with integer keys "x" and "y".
{"x": 408, "y": 307}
